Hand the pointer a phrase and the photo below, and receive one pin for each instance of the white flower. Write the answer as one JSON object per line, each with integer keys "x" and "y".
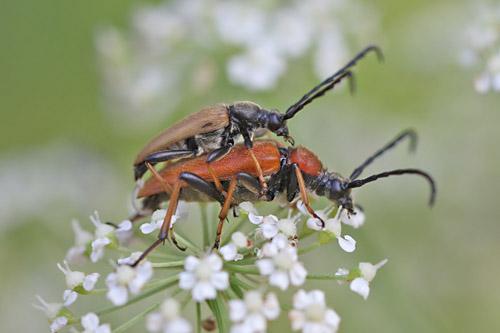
{"x": 310, "y": 313}
{"x": 282, "y": 264}
{"x": 168, "y": 319}
{"x": 76, "y": 254}
{"x": 204, "y": 277}
{"x": 76, "y": 282}
{"x": 332, "y": 226}
{"x": 56, "y": 313}
{"x": 252, "y": 313}
{"x": 124, "y": 231}
{"x": 157, "y": 221}
{"x": 104, "y": 236}
{"x": 239, "y": 23}
{"x": 259, "y": 68}
{"x": 90, "y": 323}
{"x": 230, "y": 251}
{"x": 368, "y": 271}
{"x": 127, "y": 279}
{"x": 75, "y": 278}
{"x": 354, "y": 220}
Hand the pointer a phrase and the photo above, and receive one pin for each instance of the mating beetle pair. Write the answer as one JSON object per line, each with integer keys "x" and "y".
{"x": 211, "y": 167}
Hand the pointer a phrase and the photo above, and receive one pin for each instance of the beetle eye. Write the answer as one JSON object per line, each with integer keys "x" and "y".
{"x": 335, "y": 186}
{"x": 275, "y": 122}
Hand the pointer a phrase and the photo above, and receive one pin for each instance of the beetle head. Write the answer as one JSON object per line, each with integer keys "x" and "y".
{"x": 339, "y": 192}
{"x": 276, "y": 123}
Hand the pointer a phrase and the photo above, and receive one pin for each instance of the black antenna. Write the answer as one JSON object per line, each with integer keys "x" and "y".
{"x": 361, "y": 182}
{"x": 308, "y": 98}
{"x": 406, "y": 133}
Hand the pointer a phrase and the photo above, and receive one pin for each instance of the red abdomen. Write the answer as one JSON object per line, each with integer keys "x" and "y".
{"x": 238, "y": 159}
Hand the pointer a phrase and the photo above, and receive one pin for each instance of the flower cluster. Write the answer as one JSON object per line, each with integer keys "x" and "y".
{"x": 243, "y": 284}
{"x": 142, "y": 70}
{"x": 482, "y": 39}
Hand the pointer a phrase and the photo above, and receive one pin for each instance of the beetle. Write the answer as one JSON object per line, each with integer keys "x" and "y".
{"x": 289, "y": 172}
{"x": 215, "y": 129}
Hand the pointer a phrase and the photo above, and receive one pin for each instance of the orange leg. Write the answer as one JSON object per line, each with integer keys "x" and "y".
{"x": 166, "y": 186}
{"x": 224, "y": 210}
{"x": 303, "y": 193}
{"x": 259, "y": 171}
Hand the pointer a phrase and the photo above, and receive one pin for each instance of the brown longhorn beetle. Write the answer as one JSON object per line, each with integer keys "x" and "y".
{"x": 287, "y": 171}
{"x": 214, "y": 129}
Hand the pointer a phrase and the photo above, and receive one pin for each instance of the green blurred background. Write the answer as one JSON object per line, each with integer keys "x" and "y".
{"x": 64, "y": 156}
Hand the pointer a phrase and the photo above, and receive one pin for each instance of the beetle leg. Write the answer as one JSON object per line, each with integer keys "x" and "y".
{"x": 216, "y": 155}
{"x": 260, "y": 175}
{"x": 303, "y": 193}
{"x": 166, "y": 186}
{"x": 161, "y": 156}
{"x": 249, "y": 182}
{"x": 165, "y": 227}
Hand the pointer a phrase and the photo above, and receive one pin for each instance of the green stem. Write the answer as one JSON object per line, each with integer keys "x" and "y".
{"x": 326, "y": 277}
{"x": 310, "y": 248}
{"x": 238, "y": 283}
{"x": 239, "y": 269}
{"x": 135, "y": 319}
{"x": 204, "y": 224}
{"x": 172, "y": 264}
{"x": 151, "y": 255}
{"x": 198, "y": 316}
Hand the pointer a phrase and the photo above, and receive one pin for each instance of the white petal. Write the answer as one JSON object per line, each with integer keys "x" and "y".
{"x": 187, "y": 280}
{"x": 203, "y": 290}
{"x": 255, "y": 219}
{"x": 237, "y": 310}
{"x": 270, "y": 250}
{"x": 228, "y": 252}
{"x": 269, "y": 230}
{"x": 147, "y": 228}
{"x": 239, "y": 239}
{"x": 257, "y": 322}
{"x": 104, "y": 328}
{"x": 90, "y": 281}
{"x": 76, "y": 255}
{"x": 220, "y": 280}
{"x": 58, "y": 323}
{"x": 317, "y": 297}
{"x": 191, "y": 263}
{"x": 248, "y": 207}
{"x": 154, "y": 322}
{"x": 69, "y": 297}
{"x": 179, "y": 325}
{"x": 124, "y": 226}
{"x": 300, "y": 299}
{"x": 265, "y": 266}
{"x": 298, "y": 274}
{"x": 271, "y": 308}
{"x": 355, "y": 221}
{"x": 98, "y": 248}
{"x": 214, "y": 261}
{"x": 90, "y": 321}
{"x": 297, "y": 318}
{"x": 348, "y": 244}
{"x": 314, "y": 224}
{"x": 279, "y": 279}
{"x": 117, "y": 295}
{"x": 332, "y": 318}
{"x": 360, "y": 286}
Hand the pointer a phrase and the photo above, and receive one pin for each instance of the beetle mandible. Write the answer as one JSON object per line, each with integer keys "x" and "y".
{"x": 213, "y": 130}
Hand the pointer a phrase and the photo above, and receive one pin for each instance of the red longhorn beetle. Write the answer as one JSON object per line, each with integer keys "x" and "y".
{"x": 287, "y": 171}
{"x": 214, "y": 129}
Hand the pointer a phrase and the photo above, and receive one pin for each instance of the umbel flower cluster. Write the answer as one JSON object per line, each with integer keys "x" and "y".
{"x": 241, "y": 287}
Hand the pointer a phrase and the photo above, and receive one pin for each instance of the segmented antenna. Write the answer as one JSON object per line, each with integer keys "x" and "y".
{"x": 327, "y": 84}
